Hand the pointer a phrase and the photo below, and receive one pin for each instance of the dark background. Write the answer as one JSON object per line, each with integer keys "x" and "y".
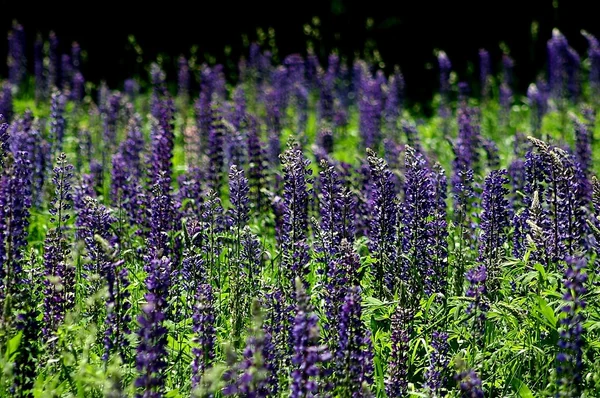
{"x": 405, "y": 32}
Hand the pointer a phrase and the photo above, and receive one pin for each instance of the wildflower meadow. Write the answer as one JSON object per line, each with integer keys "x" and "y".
{"x": 300, "y": 230}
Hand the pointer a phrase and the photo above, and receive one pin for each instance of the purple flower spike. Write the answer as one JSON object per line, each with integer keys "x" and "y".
{"x": 393, "y": 104}
{"x": 215, "y": 150}
{"x": 494, "y": 223}
{"x": 435, "y": 377}
{"x": 54, "y": 62}
{"x": 336, "y": 207}
{"x": 15, "y": 201}
{"x": 396, "y": 382}
{"x": 570, "y": 357}
{"x": 445, "y": 67}
{"x": 38, "y": 67}
{"x": 470, "y": 384}
{"x": 538, "y": 103}
{"x": 382, "y": 231}
{"x": 59, "y": 292}
{"x": 58, "y": 123}
{"x": 6, "y": 101}
{"x": 183, "y": 78}
{"x": 370, "y": 107}
{"x": 296, "y": 197}
{"x": 117, "y": 307}
{"x": 151, "y": 360}
{"x": 419, "y": 265}
{"x": 484, "y": 72}
{"x": 163, "y": 219}
{"x": 17, "y": 63}
{"x": 353, "y": 363}
{"x": 204, "y": 327}
{"x": 563, "y": 67}
{"x": 583, "y": 144}
{"x": 594, "y": 58}
{"x": 477, "y": 278}
{"x": 238, "y": 196}
{"x": 309, "y": 355}
{"x": 254, "y": 376}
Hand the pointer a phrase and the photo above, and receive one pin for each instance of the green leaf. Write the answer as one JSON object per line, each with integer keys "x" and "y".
{"x": 547, "y": 312}
{"x": 373, "y": 302}
{"x": 521, "y": 388}
{"x": 429, "y": 302}
{"x": 540, "y": 268}
{"x": 12, "y": 347}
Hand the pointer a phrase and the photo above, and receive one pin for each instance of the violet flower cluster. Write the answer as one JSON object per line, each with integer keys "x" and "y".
{"x": 309, "y": 355}
{"x": 417, "y": 229}
{"x": 204, "y": 330}
{"x": 396, "y": 382}
{"x": 382, "y": 229}
{"x": 570, "y": 369}
{"x": 15, "y": 202}
{"x": 353, "y": 362}
{"x": 151, "y": 359}
{"x": 470, "y": 384}
{"x": 435, "y": 375}
{"x": 494, "y": 223}
{"x": 59, "y": 290}
{"x": 296, "y": 196}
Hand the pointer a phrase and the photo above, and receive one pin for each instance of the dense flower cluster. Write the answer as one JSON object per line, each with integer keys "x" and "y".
{"x": 309, "y": 355}
{"x": 296, "y": 196}
{"x": 396, "y": 383}
{"x": 435, "y": 377}
{"x": 353, "y": 363}
{"x": 470, "y": 384}
{"x": 15, "y": 202}
{"x": 239, "y": 275}
{"x": 60, "y": 283}
{"x": 494, "y": 222}
{"x": 204, "y": 328}
{"x": 58, "y": 122}
{"x": 152, "y": 349}
{"x": 417, "y": 232}
{"x": 570, "y": 356}
{"x": 382, "y": 230}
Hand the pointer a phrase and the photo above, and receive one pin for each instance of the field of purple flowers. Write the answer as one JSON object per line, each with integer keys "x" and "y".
{"x": 299, "y": 231}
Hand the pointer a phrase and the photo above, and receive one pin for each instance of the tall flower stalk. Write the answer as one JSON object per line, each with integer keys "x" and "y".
{"x": 336, "y": 207}
{"x": 238, "y": 273}
{"x": 59, "y": 289}
{"x": 203, "y": 321}
{"x": 382, "y": 230}
{"x": 396, "y": 382}
{"x": 296, "y": 197}
{"x": 353, "y": 362}
{"x": 151, "y": 360}
{"x": 435, "y": 375}
{"x": 418, "y": 268}
{"x": 309, "y": 355}
{"x": 494, "y": 222}
{"x": 15, "y": 202}
{"x": 570, "y": 368}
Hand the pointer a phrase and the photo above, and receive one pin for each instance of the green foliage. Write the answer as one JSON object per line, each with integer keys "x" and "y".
{"x": 514, "y": 357}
